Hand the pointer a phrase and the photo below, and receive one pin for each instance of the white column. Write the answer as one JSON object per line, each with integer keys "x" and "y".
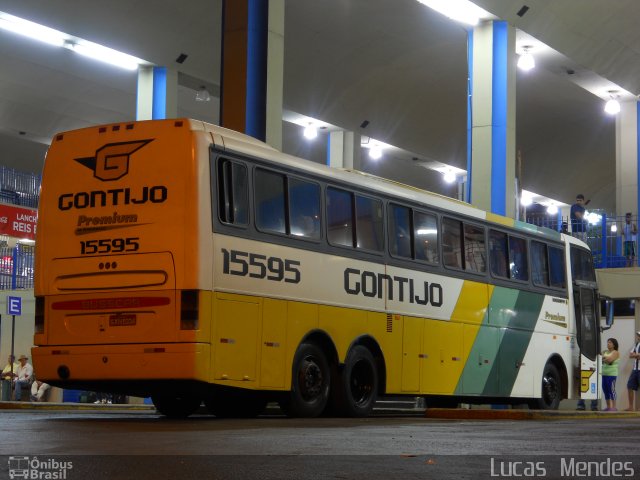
{"x": 275, "y": 74}
{"x": 344, "y": 150}
{"x": 627, "y": 159}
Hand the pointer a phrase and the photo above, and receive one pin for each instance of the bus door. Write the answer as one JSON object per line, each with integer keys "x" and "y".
{"x": 585, "y": 298}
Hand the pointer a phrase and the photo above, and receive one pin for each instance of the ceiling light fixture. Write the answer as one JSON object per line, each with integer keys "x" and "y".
{"x": 449, "y": 176}
{"x": 375, "y": 152}
{"x": 32, "y": 30}
{"x": 552, "y": 209}
{"x": 460, "y": 10}
{"x": 202, "y": 95}
{"x": 310, "y": 132}
{"x": 612, "y": 107}
{"x": 104, "y": 54}
{"x": 526, "y": 200}
{"x": 526, "y": 61}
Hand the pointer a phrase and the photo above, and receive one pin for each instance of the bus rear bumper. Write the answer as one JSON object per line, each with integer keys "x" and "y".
{"x": 169, "y": 361}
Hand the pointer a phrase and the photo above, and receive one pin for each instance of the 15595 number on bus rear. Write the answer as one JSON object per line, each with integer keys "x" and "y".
{"x": 256, "y": 265}
{"x": 109, "y": 245}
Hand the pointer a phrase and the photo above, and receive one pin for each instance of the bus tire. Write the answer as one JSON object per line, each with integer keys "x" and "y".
{"x": 551, "y": 392}
{"x": 235, "y": 405}
{"x": 358, "y": 384}
{"x": 310, "y": 382}
{"x": 176, "y": 406}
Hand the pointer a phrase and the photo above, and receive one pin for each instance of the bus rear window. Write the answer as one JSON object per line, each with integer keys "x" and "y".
{"x": 233, "y": 193}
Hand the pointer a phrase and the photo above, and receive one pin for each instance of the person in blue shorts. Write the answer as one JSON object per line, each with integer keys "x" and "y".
{"x": 634, "y": 378}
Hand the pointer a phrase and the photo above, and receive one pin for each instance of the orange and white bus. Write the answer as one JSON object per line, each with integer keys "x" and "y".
{"x": 186, "y": 262}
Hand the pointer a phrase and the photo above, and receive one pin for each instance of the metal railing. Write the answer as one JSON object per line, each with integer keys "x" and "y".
{"x": 16, "y": 266}
{"x": 604, "y": 233}
{"x": 19, "y": 188}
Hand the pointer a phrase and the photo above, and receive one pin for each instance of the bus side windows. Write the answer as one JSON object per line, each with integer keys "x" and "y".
{"x": 304, "y": 208}
{"x": 539, "y": 264}
{"x": 475, "y": 253}
{"x": 452, "y": 243}
{"x": 270, "y": 201}
{"x": 518, "y": 258}
{"x": 582, "y": 265}
{"x": 498, "y": 256}
{"x": 400, "y": 231}
{"x": 339, "y": 217}
{"x": 369, "y": 223}
{"x": 426, "y": 237}
{"x": 557, "y": 275}
{"x": 233, "y": 193}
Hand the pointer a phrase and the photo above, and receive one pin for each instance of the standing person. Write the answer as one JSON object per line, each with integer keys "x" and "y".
{"x": 24, "y": 376}
{"x": 629, "y": 235}
{"x": 578, "y": 222}
{"x": 7, "y": 376}
{"x": 610, "y": 360}
{"x": 634, "y": 378}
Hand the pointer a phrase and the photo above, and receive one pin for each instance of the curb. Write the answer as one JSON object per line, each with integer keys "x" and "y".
{"x": 489, "y": 414}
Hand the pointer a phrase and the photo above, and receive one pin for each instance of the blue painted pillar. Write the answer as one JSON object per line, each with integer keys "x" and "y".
{"x": 491, "y": 118}
{"x": 157, "y": 93}
{"x": 252, "y": 68}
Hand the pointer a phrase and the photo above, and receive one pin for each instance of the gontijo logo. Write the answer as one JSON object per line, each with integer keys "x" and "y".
{"x": 112, "y": 160}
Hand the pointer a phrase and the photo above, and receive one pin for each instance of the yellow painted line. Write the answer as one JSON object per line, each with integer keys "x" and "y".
{"x": 490, "y": 414}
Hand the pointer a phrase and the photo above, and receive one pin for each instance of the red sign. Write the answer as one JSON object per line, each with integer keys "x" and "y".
{"x": 18, "y": 221}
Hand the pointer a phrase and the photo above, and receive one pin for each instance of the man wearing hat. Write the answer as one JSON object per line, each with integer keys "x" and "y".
{"x": 634, "y": 378}
{"x": 24, "y": 376}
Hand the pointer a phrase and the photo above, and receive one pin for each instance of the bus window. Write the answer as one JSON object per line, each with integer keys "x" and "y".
{"x": 582, "y": 265}
{"x": 400, "y": 231}
{"x": 452, "y": 243}
{"x": 233, "y": 193}
{"x": 304, "y": 208}
{"x": 269, "y": 192}
{"x": 557, "y": 274}
{"x": 475, "y": 253}
{"x": 498, "y": 258}
{"x": 369, "y": 223}
{"x": 426, "y": 237}
{"x": 518, "y": 258}
{"x": 539, "y": 264}
{"x": 339, "y": 217}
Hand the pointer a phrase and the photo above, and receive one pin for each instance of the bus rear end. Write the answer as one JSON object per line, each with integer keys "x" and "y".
{"x": 117, "y": 298}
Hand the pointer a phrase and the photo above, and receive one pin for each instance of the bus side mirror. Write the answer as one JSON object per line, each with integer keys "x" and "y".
{"x": 609, "y": 312}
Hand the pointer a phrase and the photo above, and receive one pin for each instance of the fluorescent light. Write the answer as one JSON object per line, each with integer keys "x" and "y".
{"x": 32, "y": 30}
{"x": 612, "y": 107}
{"x": 375, "y": 152}
{"x": 552, "y": 209}
{"x": 526, "y": 61}
{"x": 526, "y": 200}
{"x": 310, "y": 132}
{"x": 460, "y": 10}
{"x": 104, "y": 54}
{"x": 449, "y": 176}
{"x": 614, "y": 228}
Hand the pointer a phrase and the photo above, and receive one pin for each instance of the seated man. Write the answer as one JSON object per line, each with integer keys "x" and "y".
{"x": 24, "y": 376}
{"x": 39, "y": 390}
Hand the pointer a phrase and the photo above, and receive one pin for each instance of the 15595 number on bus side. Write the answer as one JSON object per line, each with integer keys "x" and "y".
{"x": 256, "y": 265}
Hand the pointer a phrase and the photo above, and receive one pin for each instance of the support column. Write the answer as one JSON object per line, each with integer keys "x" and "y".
{"x": 252, "y": 68}
{"x": 343, "y": 150}
{"x": 627, "y": 159}
{"x": 491, "y": 118}
{"x": 157, "y": 93}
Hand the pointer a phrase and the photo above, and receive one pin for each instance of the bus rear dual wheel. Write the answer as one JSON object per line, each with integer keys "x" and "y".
{"x": 351, "y": 392}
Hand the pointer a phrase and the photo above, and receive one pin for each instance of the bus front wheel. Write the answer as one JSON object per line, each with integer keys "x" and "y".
{"x": 309, "y": 383}
{"x": 176, "y": 406}
{"x": 551, "y": 392}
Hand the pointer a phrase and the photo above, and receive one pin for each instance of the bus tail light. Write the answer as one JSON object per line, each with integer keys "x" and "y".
{"x": 189, "y": 310}
{"x": 39, "y": 324}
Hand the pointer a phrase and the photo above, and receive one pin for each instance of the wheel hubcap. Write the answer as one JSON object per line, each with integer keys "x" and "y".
{"x": 310, "y": 379}
{"x": 361, "y": 383}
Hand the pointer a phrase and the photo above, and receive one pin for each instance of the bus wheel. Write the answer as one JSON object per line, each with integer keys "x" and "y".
{"x": 309, "y": 383}
{"x": 235, "y": 406}
{"x": 359, "y": 383}
{"x": 551, "y": 389}
{"x": 174, "y": 406}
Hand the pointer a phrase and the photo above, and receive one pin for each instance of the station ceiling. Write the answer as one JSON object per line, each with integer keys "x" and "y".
{"x": 395, "y": 63}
